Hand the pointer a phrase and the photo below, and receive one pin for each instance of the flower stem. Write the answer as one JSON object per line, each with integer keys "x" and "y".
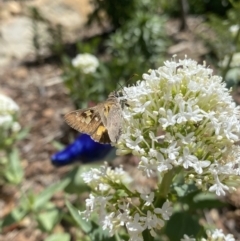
{"x": 165, "y": 184}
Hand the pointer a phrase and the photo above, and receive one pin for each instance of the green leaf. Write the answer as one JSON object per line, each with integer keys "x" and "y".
{"x": 48, "y": 219}
{"x": 15, "y": 216}
{"x": 14, "y": 172}
{"x": 182, "y": 223}
{"x": 206, "y": 200}
{"x": 83, "y": 224}
{"x": 44, "y": 196}
{"x": 22, "y": 134}
{"x": 58, "y": 237}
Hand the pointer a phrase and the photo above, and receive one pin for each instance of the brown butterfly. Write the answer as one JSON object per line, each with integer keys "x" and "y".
{"x": 102, "y": 122}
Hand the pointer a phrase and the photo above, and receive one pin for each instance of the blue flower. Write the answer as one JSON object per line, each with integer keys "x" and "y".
{"x": 84, "y": 149}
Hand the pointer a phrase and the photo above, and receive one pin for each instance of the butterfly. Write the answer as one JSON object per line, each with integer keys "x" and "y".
{"x": 102, "y": 122}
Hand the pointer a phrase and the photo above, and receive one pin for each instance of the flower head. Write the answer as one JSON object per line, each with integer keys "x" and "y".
{"x": 87, "y": 63}
{"x": 180, "y": 115}
{"x": 8, "y": 109}
{"x": 7, "y": 105}
{"x": 117, "y": 206}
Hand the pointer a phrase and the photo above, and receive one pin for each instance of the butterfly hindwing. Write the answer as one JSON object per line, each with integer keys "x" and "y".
{"x": 114, "y": 125}
{"x": 101, "y": 135}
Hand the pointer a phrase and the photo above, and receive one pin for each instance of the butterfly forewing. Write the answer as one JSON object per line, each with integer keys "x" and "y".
{"x": 85, "y": 121}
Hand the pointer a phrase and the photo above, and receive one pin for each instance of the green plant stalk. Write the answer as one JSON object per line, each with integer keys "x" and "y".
{"x": 165, "y": 184}
{"x": 235, "y": 41}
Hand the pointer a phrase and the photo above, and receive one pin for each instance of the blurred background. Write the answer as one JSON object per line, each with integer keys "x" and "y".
{"x": 57, "y": 56}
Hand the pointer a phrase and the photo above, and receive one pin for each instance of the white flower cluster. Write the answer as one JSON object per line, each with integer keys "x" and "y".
{"x": 118, "y": 207}
{"x": 216, "y": 235}
{"x": 8, "y": 108}
{"x": 87, "y": 63}
{"x": 182, "y": 116}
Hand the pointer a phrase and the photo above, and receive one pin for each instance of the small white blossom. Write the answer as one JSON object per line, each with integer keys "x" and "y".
{"x": 88, "y": 63}
{"x": 187, "y": 238}
{"x": 7, "y": 105}
{"x": 148, "y": 198}
{"x": 165, "y": 211}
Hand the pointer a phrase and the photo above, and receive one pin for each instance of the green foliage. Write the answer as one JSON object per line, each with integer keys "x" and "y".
{"x": 58, "y": 237}
{"x": 182, "y": 223}
{"x": 43, "y": 211}
{"x": 11, "y": 171}
{"x": 225, "y": 43}
{"x": 84, "y": 87}
{"x": 137, "y": 45}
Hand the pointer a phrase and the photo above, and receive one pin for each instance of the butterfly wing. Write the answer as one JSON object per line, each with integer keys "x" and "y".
{"x": 88, "y": 121}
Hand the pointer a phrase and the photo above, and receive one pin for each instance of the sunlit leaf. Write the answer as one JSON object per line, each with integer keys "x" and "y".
{"x": 44, "y": 196}
{"x": 58, "y": 237}
{"x": 49, "y": 218}
{"x": 14, "y": 172}
{"x": 15, "y": 216}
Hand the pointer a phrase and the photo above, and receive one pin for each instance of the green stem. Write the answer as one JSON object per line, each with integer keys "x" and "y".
{"x": 165, "y": 185}
{"x": 235, "y": 41}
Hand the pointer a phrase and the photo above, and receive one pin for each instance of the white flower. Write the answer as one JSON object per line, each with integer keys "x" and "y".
{"x": 135, "y": 228}
{"x": 218, "y": 235}
{"x": 187, "y": 238}
{"x": 8, "y": 108}
{"x": 116, "y": 205}
{"x": 7, "y": 105}
{"x": 182, "y": 116}
{"x": 5, "y": 119}
{"x": 88, "y": 63}
{"x": 151, "y": 221}
{"x": 16, "y": 127}
{"x": 148, "y": 198}
{"x": 165, "y": 211}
